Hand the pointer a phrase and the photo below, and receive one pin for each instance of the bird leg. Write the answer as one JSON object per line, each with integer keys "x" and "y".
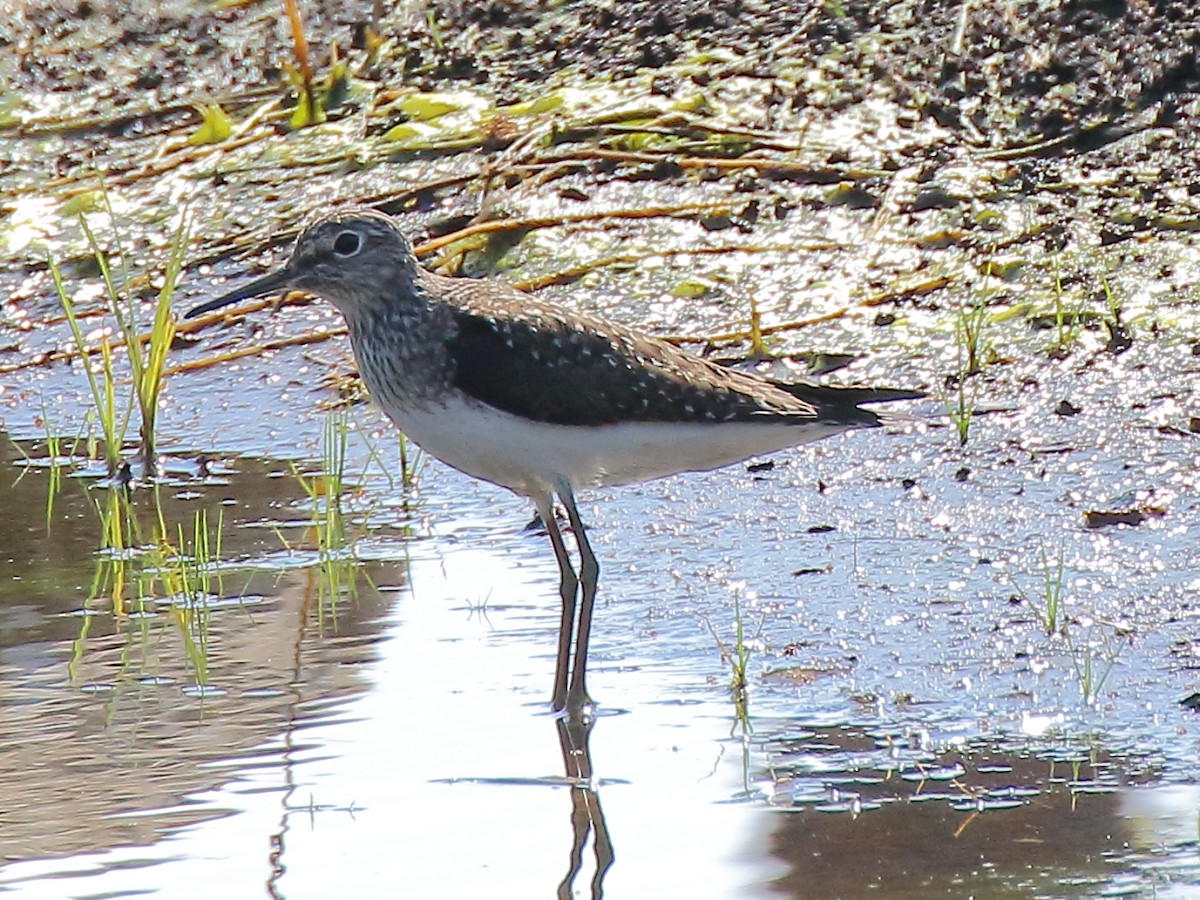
{"x": 567, "y": 588}
{"x": 589, "y": 574}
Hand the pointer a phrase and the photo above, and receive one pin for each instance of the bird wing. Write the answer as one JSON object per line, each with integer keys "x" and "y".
{"x": 544, "y": 363}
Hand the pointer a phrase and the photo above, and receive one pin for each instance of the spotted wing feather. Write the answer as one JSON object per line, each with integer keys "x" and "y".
{"x": 548, "y": 365}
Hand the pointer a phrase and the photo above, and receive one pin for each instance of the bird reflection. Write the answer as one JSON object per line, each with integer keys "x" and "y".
{"x": 587, "y": 817}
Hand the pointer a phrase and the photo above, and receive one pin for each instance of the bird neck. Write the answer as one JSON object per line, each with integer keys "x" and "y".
{"x": 399, "y": 341}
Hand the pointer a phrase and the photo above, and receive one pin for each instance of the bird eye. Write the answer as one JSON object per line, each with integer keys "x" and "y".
{"x": 347, "y": 243}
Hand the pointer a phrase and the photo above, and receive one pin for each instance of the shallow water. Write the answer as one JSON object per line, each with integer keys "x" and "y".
{"x": 913, "y": 731}
{"x": 405, "y": 731}
{"x": 374, "y": 720}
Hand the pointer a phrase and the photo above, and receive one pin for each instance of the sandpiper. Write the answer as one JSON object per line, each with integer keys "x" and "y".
{"x": 539, "y": 399}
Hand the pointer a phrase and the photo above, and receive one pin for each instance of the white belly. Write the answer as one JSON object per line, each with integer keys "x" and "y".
{"x": 529, "y": 457}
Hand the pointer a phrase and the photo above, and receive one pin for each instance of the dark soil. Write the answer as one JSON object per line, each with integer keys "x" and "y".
{"x": 1008, "y": 71}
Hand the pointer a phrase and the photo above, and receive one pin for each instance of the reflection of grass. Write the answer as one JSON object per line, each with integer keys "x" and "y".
{"x": 114, "y": 561}
{"x": 192, "y": 622}
{"x": 183, "y": 573}
{"x": 337, "y": 565}
{"x": 56, "y": 460}
{"x": 54, "y": 456}
{"x": 330, "y": 536}
{"x": 324, "y": 489}
{"x": 183, "y": 570}
{"x": 140, "y": 566}
{"x": 117, "y": 530}
{"x": 334, "y": 579}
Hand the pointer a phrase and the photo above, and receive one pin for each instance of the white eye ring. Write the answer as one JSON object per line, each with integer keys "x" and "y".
{"x": 347, "y": 243}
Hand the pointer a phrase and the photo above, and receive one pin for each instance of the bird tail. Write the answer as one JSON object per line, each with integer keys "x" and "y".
{"x": 844, "y": 403}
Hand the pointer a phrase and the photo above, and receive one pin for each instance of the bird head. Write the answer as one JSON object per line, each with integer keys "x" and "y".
{"x": 350, "y": 257}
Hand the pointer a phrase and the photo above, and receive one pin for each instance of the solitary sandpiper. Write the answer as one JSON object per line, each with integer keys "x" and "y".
{"x": 539, "y": 399}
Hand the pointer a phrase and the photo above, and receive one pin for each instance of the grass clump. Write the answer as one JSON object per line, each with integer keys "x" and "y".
{"x": 737, "y": 656}
{"x": 1069, "y": 319}
{"x": 1047, "y": 604}
{"x": 974, "y": 351}
{"x": 146, "y": 353}
{"x": 1092, "y": 654}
